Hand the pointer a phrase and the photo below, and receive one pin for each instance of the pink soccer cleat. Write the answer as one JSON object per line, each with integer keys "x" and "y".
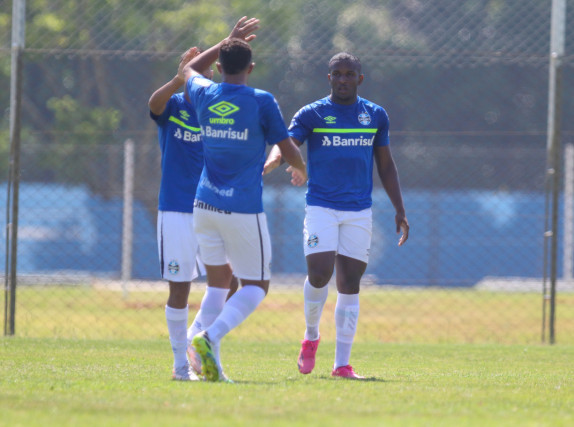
{"x": 346, "y": 372}
{"x": 306, "y": 361}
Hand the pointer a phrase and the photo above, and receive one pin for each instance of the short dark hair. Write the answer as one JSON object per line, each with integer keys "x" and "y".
{"x": 234, "y": 55}
{"x": 344, "y": 56}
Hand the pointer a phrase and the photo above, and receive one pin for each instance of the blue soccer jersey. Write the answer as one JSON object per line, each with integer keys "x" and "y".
{"x": 181, "y": 155}
{"x": 236, "y": 122}
{"x": 340, "y": 146}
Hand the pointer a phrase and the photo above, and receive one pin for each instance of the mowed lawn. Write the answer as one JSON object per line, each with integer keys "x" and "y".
{"x": 82, "y": 382}
{"x": 425, "y": 316}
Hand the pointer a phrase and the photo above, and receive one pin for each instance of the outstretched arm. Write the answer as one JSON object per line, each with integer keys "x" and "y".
{"x": 242, "y": 30}
{"x": 274, "y": 159}
{"x": 289, "y": 151}
{"x": 158, "y": 100}
{"x": 390, "y": 179}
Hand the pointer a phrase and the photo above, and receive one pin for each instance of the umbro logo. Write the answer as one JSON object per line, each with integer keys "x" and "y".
{"x": 223, "y": 108}
{"x": 184, "y": 115}
{"x": 330, "y": 120}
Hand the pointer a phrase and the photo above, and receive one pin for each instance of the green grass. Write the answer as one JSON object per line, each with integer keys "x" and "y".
{"x": 65, "y": 382}
{"x": 387, "y": 315}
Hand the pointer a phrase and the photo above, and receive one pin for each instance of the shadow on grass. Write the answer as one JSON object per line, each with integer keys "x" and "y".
{"x": 321, "y": 378}
{"x": 364, "y": 380}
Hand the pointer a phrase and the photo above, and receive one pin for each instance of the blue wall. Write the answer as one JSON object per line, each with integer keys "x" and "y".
{"x": 68, "y": 228}
{"x": 457, "y": 238}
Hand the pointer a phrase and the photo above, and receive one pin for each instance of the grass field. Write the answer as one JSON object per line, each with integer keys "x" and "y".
{"x": 387, "y": 315}
{"x": 90, "y": 355}
{"x": 75, "y": 382}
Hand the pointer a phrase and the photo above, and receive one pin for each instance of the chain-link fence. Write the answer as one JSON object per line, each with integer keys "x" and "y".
{"x": 465, "y": 84}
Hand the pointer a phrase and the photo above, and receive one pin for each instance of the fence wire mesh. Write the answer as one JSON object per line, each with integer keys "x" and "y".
{"x": 466, "y": 87}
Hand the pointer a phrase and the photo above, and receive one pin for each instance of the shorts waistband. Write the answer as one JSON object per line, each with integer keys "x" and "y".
{"x": 202, "y": 205}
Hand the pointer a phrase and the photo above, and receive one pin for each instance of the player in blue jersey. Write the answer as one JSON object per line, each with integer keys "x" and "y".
{"x": 237, "y": 123}
{"x": 181, "y": 163}
{"x": 345, "y": 134}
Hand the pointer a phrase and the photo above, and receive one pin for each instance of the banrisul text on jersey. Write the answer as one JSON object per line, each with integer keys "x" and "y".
{"x": 337, "y": 141}
{"x": 228, "y": 133}
{"x": 340, "y": 141}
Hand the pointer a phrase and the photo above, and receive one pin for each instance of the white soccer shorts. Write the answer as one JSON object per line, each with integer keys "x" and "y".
{"x": 346, "y": 232}
{"x": 240, "y": 239}
{"x": 178, "y": 248}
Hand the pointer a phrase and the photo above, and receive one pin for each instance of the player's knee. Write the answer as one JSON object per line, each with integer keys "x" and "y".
{"x": 319, "y": 279}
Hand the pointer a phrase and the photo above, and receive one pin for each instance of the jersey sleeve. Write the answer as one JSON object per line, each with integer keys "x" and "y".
{"x": 194, "y": 86}
{"x": 300, "y": 128}
{"x": 272, "y": 120}
{"x": 164, "y": 117}
{"x": 382, "y": 135}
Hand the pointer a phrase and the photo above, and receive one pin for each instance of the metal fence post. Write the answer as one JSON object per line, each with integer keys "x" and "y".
{"x": 127, "y": 223}
{"x": 13, "y": 192}
{"x": 568, "y": 257}
{"x": 558, "y": 26}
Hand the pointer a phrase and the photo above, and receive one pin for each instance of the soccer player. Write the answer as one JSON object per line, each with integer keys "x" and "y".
{"x": 181, "y": 163}
{"x": 344, "y": 133}
{"x": 237, "y": 122}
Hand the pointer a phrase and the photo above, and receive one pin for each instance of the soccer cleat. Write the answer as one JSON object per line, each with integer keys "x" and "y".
{"x": 346, "y": 372}
{"x": 209, "y": 367}
{"x": 184, "y": 373}
{"x": 306, "y": 360}
{"x": 194, "y": 359}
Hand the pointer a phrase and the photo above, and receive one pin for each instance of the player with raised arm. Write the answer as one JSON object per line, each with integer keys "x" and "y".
{"x": 181, "y": 164}
{"x": 344, "y": 134}
{"x": 237, "y": 123}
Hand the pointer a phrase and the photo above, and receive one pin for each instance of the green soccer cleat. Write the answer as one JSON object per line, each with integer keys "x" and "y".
{"x": 209, "y": 366}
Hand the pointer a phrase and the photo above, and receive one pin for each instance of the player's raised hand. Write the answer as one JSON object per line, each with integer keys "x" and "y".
{"x": 187, "y": 56}
{"x": 244, "y": 28}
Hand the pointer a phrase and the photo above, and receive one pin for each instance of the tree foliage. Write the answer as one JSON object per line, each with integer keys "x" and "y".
{"x": 472, "y": 65}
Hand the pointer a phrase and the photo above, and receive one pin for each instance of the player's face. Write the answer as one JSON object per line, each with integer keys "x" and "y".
{"x": 344, "y": 78}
